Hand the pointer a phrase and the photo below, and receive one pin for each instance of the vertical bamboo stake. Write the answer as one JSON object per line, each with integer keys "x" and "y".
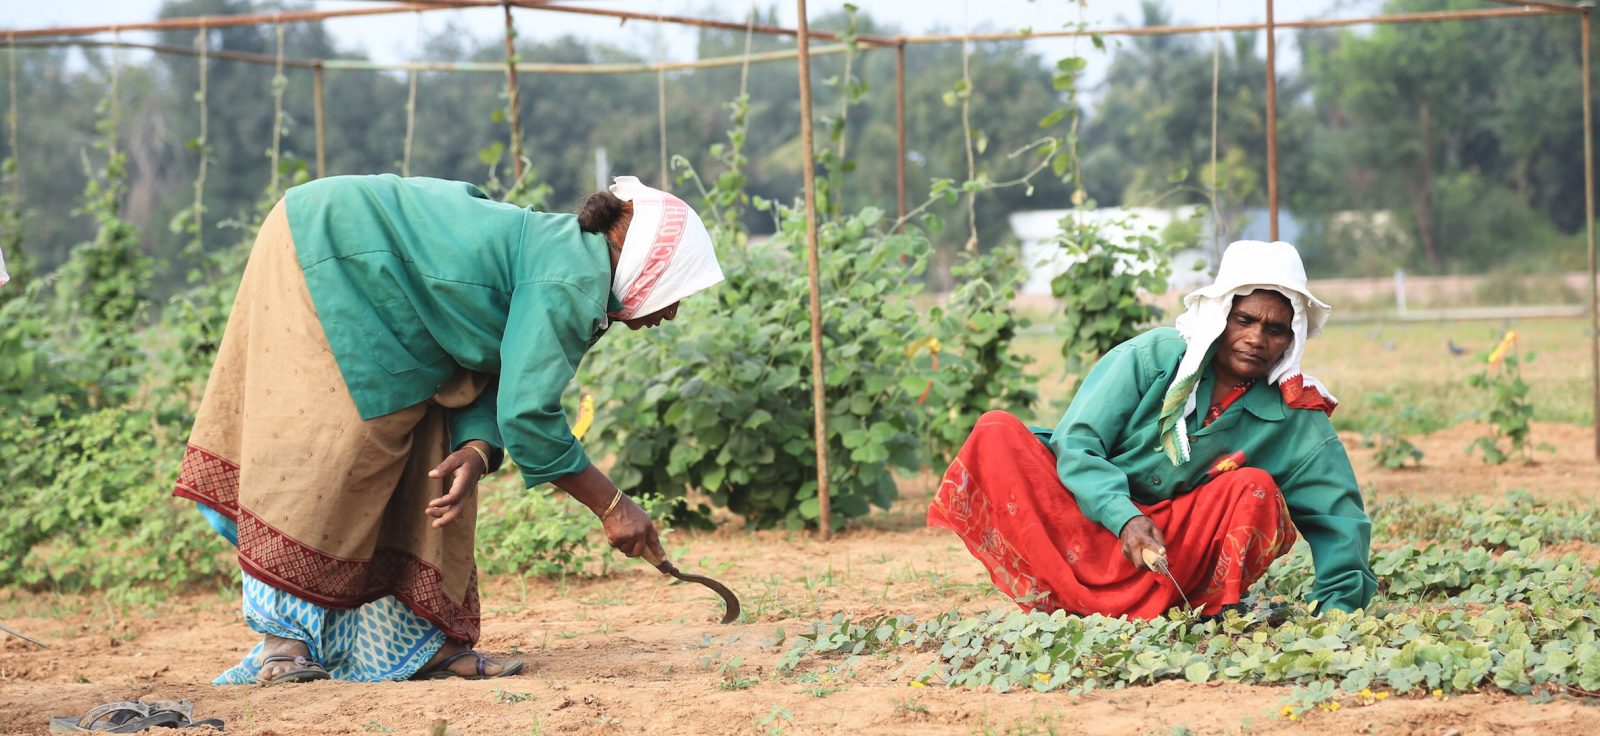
{"x": 11, "y": 129}
{"x": 411, "y": 102}
{"x": 819, "y": 391}
{"x": 966, "y": 129}
{"x": 661, "y": 121}
{"x": 203, "y": 40}
{"x": 513, "y": 100}
{"x": 1216, "y": 75}
{"x": 279, "y": 84}
{"x": 1588, "y": 216}
{"x": 322, "y": 125}
{"x": 900, "y": 126}
{"x": 1272, "y": 123}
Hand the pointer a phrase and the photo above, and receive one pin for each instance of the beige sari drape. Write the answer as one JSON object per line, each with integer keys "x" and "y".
{"x": 330, "y": 508}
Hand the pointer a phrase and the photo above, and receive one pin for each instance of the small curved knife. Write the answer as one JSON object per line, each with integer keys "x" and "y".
{"x": 1158, "y": 562}
{"x": 729, "y": 600}
{"x": 22, "y": 636}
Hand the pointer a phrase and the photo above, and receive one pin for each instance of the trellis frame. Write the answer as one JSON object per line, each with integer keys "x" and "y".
{"x": 803, "y": 35}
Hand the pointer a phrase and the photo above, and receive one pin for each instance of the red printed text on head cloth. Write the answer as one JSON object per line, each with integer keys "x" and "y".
{"x": 669, "y": 233}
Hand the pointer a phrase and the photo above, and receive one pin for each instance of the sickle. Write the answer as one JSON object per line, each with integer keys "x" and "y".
{"x": 729, "y": 600}
{"x": 1158, "y": 562}
{"x": 27, "y": 638}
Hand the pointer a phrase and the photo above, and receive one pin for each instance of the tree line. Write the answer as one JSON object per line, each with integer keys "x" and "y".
{"x": 1447, "y": 147}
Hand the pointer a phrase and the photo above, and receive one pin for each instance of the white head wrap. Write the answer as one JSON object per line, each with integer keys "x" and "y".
{"x": 1247, "y": 265}
{"x": 666, "y": 254}
{"x": 4, "y": 277}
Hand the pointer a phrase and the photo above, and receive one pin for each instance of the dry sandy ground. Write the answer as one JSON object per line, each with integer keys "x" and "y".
{"x": 632, "y": 654}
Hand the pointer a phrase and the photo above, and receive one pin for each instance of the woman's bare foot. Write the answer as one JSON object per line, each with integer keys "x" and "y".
{"x": 298, "y": 659}
{"x": 464, "y": 666}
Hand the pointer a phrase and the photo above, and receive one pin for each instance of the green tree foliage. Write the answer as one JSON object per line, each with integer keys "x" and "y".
{"x": 1463, "y": 129}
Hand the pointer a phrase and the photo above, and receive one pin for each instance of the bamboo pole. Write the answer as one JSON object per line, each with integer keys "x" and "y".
{"x": 900, "y": 127}
{"x": 1523, "y": 10}
{"x": 513, "y": 100}
{"x": 411, "y": 104}
{"x": 13, "y": 139}
{"x": 819, "y": 391}
{"x": 661, "y": 110}
{"x": 161, "y": 48}
{"x": 202, "y": 40}
{"x": 223, "y": 21}
{"x": 1540, "y": 4}
{"x": 1373, "y": 20}
{"x": 280, "y": 83}
{"x": 322, "y": 121}
{"x": 547, "y": 68}
{"x": 361, "y": 64}
{"x": 496, "y": 67}
{"x": 1588, "y": 216}
{"x": 1272, "y": 124}
{"x": 703, "y": 22}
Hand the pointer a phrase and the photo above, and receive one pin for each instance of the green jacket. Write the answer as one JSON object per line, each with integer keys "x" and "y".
{"x": 412, "y": 277}
{"x": 1109, "y": 455}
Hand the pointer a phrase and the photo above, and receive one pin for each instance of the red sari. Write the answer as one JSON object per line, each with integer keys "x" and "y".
{"x": 1003, "y": 498}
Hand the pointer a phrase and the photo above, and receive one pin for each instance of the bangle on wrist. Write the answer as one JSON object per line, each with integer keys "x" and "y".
{"x": 612, "y": 506}
{"x": 483, "y": 455}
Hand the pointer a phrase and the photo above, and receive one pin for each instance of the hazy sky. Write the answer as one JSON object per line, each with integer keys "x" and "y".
{"x": 393, "y": 37}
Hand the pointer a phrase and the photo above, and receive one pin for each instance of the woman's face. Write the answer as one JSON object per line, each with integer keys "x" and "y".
{"x": 1259, "y": 331}
{"x": 653, "y": 319}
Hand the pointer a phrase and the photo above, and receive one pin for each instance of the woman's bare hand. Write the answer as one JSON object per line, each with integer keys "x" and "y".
{"x": 631, "y": 531}
{"x": 466, "y": 467}
{"x": 1139, "y": 534}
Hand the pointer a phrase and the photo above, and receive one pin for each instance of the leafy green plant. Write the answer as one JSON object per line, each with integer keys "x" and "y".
{"x": 719, "y": 400}
{"x": 1510, "y": 413}
{"x": 1101, "y": 293}
{"x": 1394, "y": 451}
{"x": 973, "y": 365}
{"x": 98, "y": 514}
{"x": 100, "y": 299}
{"x": 775, "y": 721}
{"x": 1446, "y": 620}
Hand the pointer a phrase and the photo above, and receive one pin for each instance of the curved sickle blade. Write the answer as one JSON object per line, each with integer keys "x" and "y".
{"x": 729, "y": 600}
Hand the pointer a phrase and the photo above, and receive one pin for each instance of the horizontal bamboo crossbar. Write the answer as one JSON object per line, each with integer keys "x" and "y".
{"x": 494, "y": 67}
{"x": 1518, "y": 10}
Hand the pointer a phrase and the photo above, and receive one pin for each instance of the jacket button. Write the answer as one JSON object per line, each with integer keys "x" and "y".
{"x": 1155, "y": 480}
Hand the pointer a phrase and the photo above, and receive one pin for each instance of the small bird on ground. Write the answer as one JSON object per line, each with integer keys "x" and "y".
{"x": 1455, "y": 349}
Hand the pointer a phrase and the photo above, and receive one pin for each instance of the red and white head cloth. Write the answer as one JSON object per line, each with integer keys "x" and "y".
{"x": 1247, "y": 265}
{"x": 666, "y": 255}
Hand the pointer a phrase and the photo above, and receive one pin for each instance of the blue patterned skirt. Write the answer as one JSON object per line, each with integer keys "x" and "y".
{"x": 380, "y": 641}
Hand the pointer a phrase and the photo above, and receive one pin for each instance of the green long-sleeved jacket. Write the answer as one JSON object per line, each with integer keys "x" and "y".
{"x": 412, "y": 277}
{"x": 1108, "y": 455}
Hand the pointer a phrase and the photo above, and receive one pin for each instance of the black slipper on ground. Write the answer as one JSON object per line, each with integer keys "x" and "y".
{"x": 442, "y": 671}
{"x": 304, "y": 670}
{"x": 133, "y": 716}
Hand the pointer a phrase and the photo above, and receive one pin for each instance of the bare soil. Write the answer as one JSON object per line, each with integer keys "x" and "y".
{"x": 630, "y": 653}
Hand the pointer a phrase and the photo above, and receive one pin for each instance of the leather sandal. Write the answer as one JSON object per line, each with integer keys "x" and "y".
{"x": 122, "y": 716}
{"x": 441, "y": 669}
{"x": 304, "y": 670}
